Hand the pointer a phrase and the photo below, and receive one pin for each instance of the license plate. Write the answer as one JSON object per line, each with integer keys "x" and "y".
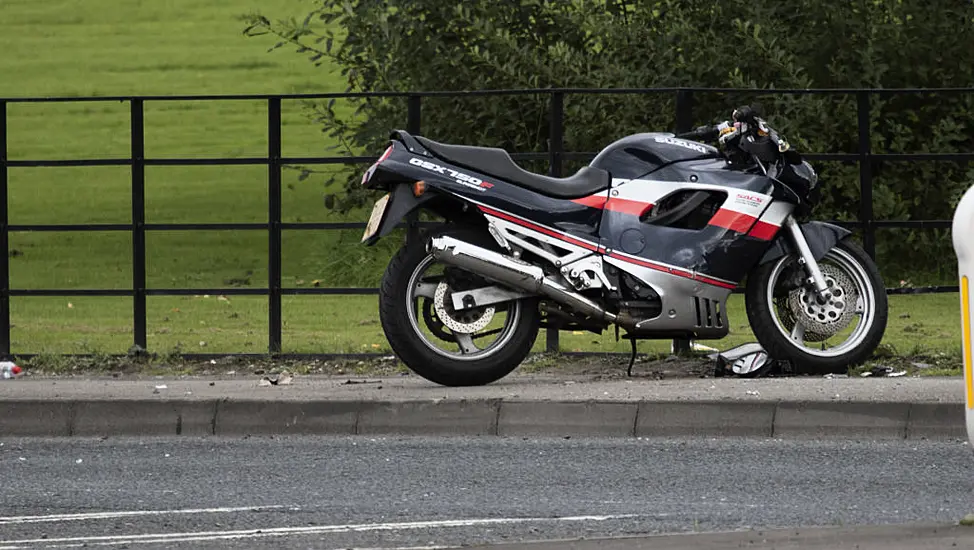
{"x": 376, "y": 218}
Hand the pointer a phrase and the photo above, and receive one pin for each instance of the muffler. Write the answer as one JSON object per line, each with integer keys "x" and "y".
{"x": 516, "y": 273}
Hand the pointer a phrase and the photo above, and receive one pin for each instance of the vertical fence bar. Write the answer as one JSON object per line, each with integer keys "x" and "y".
{"x": 556, "y": 146}
{"x": 414, "y": 119}
{"x": 275, "y": 321}
{"x": 865, "y": 175}
{"x": 4, "y": 240}
{"x": 414, "y": 114}
{"x": 684, "y": 111}
{"x": 684, "y": 123}
{"x": 137, "y": 121}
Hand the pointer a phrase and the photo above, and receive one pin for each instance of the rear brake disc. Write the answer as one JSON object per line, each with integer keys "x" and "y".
{"x": 467, "y": 321}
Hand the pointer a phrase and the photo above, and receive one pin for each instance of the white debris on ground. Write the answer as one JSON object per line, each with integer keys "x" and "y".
{"x": 883, "y": 371}
{"x": 284, "y": 379}
{"x": 9, "y": 370}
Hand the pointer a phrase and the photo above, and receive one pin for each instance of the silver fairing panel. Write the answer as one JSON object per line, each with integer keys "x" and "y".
{"x": 687, "y": 304}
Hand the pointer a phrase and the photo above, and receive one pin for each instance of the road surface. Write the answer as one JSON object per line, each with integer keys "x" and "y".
{"x": 355, "y": 492}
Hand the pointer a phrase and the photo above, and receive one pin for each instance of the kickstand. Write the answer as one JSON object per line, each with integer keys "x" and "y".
{"x": 632, "y": 358}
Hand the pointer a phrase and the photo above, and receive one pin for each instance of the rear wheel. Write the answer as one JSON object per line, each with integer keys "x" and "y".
{"x": 469, "y": 347}
{"x": 820, "y": 338}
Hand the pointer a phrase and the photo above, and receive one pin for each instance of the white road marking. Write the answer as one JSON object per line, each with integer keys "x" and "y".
{"x": 133, "y": 513}
{"x": 160, "y": 538}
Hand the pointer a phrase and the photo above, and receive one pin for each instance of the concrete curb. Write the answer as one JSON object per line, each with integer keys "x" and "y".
{"x": 484, "y": 417}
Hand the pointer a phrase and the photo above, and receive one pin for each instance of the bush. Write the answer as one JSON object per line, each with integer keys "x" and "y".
{"x": 424, "y": 45}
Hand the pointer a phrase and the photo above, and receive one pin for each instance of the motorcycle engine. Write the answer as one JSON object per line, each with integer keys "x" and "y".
{"x": 639, "y": 299}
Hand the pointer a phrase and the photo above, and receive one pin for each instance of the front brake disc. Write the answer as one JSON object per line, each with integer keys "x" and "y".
{"x": 822, "y": 321}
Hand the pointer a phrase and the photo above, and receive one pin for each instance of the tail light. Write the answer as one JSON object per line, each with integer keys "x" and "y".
{"x": 368, "y": 173}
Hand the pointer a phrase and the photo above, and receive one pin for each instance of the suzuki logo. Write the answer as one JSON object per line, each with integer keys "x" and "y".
{"x": 682, "y": 143}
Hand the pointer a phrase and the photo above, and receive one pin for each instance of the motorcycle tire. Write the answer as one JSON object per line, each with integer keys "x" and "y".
{"x": 861, "y": 275}
{"x": 421, "y": 357}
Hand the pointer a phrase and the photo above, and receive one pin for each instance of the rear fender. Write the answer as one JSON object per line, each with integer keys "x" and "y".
{"x": 401, "y": 202}
{"x": 821, "y": 238}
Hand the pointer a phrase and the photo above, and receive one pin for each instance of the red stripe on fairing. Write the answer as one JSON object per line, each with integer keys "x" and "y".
{"x": 592, "y": 201}
{"x": 674, "y": 271}
{"x": 764, "y": 230}
{"x": 625, "y": 206}
{"x": 735, "y": 221}
{"x": 712, "y": 281}
{"x": 598, "y": 248}
{"x": 539, "y": 228}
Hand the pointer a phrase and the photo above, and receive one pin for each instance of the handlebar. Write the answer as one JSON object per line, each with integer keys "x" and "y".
{"x": 702, "y": 133}
{"x": 747, "y": 114}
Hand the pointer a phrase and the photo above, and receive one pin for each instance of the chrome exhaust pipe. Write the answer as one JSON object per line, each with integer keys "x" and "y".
{"x": 516, "y": 273}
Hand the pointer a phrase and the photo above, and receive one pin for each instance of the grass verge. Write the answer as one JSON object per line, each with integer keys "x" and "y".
{"x": 104, "y": 47}
{"x": 922, "y": 336}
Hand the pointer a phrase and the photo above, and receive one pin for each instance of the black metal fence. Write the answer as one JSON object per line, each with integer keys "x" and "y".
{"x": 274, "y": 161}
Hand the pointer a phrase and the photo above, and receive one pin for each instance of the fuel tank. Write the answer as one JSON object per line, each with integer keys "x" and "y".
{"x": 640, "y": 154}
{"x": 662, "y": 157}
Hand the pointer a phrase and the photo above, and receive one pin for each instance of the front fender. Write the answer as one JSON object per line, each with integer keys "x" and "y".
{"x": 821, "y": 238}
{"x": 401, "y": 203}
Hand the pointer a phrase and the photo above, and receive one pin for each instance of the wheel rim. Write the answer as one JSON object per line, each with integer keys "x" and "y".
{"x": 423, "y": 287}
{"x": 793, "y": 324}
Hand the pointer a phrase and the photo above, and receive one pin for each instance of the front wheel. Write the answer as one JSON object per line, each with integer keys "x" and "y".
{"x": 791, "y": 324}
{"x": 469, "y": 347}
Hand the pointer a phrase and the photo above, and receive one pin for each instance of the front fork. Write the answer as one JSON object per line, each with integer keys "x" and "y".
{"x": 807, "y": 260}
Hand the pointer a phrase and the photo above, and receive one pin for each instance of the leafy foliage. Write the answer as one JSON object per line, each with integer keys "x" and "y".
{"x": 425, "y": 45}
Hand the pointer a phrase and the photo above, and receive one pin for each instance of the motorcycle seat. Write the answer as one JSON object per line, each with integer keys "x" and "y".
{"x": 498, "y": 163}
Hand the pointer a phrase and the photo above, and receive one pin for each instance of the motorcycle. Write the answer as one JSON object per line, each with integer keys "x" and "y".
{"x": 652, "y": 236}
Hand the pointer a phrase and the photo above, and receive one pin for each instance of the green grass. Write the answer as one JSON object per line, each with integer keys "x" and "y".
{"x": 103, "y": 47}
{"x": 332, "y": 324}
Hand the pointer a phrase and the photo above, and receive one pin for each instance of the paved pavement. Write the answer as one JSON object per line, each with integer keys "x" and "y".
{"x": 515, "y": 387}
{"x": 897, "y": 408}
{"x": 395, "y": 492}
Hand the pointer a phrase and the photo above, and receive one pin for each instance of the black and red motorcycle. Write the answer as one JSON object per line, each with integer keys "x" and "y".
{"x": 652, "y": 236}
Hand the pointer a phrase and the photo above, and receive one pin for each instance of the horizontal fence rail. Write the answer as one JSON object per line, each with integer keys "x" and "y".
{"x": 556, "y": 156}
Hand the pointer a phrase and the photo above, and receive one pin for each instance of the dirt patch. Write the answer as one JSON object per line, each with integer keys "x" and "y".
{"x": 597, "y": 366}
{"x": 614, "y": 366}
{"x": 601, "y": 366}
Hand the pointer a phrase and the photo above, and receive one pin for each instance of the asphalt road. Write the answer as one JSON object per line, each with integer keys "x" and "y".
{"x": 405, "y": 492}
